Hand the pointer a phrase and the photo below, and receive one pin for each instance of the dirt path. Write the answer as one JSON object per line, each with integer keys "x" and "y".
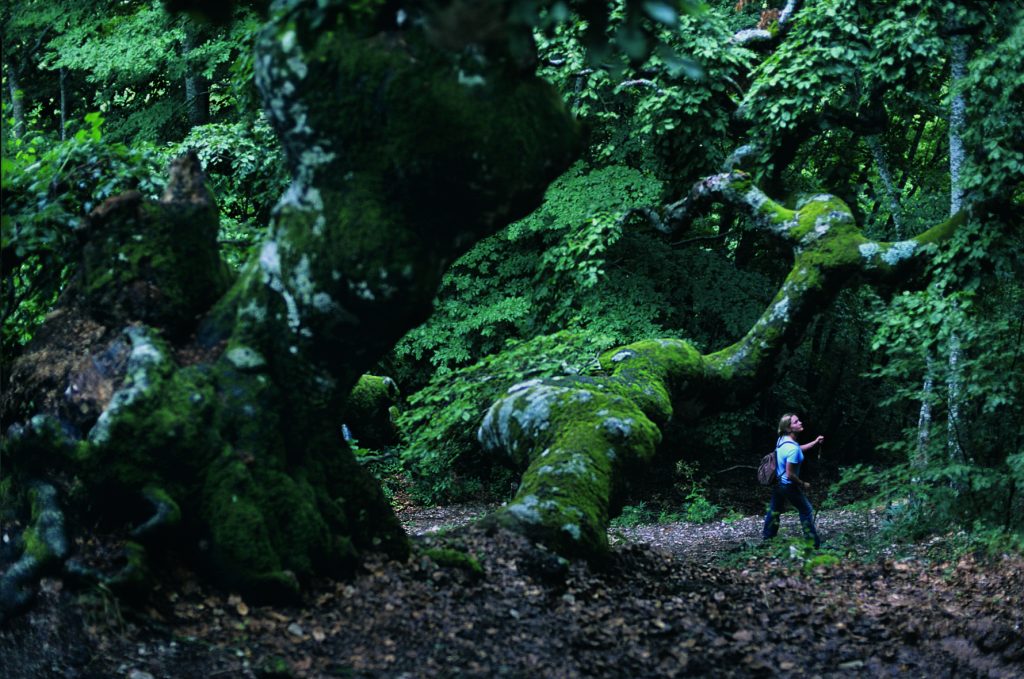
{"x": 478, "y": 604}
{"x": 703, "y": 543}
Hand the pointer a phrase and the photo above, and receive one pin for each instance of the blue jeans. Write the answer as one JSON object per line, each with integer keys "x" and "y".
{"x": 792, "y": 494}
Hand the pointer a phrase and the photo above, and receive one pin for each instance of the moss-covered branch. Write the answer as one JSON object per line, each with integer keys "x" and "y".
{"x": 734, "y": 188}
{"x": 579, "y": 440}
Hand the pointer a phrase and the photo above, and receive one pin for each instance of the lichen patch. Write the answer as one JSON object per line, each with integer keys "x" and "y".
{"x": 899, "y": 251}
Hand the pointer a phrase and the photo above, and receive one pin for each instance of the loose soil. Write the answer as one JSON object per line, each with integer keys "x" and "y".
{"x": 672, "y": 600}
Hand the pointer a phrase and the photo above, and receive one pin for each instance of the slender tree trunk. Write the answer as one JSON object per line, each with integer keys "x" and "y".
{"x": 915, "y": 145}
{"x": 197, "y": 88}
{"x": 924, "y": 420}
{"x": 787, "y": 12}
{"x": 63, "y": 104}
{"x": 891, "y": 193}
{"x": 17, "y": 105}
{"x": 958, "y": 67}
{"x": 958, "y": 70}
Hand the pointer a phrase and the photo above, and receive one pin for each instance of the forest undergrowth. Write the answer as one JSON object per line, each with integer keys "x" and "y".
{"x": 673, "y": 599}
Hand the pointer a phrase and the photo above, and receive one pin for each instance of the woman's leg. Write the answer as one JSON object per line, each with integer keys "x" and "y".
{"x": 797, "y": 498}
{"x": 775, "y": 507}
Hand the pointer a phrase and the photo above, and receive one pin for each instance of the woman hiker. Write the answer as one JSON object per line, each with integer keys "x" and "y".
{"x": 789, "y": 455}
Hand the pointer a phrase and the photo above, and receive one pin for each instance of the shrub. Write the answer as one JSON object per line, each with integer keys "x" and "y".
{"x": 49, "y": 187}
{"x": 635, "y": 515}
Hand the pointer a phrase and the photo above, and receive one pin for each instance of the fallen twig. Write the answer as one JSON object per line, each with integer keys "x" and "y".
{"x": 736, "y": 466}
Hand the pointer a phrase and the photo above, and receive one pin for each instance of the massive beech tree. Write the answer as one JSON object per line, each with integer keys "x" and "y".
{"x": 408, "y": 140}
{"x": 203, "y": 410}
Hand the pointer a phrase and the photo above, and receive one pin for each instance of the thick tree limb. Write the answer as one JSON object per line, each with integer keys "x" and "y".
{"x": 733, "y": 188}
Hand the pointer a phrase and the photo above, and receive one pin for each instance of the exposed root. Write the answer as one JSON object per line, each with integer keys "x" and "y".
{"x": 46, "y": 546}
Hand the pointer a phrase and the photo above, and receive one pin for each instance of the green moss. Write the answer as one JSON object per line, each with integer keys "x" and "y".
{"x": 134, "y": 578}
{"x": 653, "y": 371}
{"x": 297, "y": 529}
{"x": 368, "y": 411}
{"x": 267, "y": 526}
{"x": 454, "y": 558}
{"x": 160, "y": 497}
{"x": 212, "y": 447}
{"x": 166, "y": 513}
{"x": 44, "y": 537}
{"x": 820, "y": 212}
{"x": 581, "y": 437}
{"x": 163, "y": 438}
{"x": 372, "y": 393}
{"x": 285, "y": 501}
{"x": 35, "y": 547}
{"x": 240, "y": 546}
{"x": 579, "y": 449}
{"x": 943, "y": 231}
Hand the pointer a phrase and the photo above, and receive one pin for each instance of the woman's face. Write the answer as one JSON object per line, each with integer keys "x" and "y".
{"x": 795, "y": 425}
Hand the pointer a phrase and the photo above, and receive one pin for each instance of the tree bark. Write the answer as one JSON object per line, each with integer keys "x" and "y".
{"x": 64, "y": 104}
{"x": 924, "y": 419}
{"x": 958, "y": 65}
{"x": 957, "y": 113}
{"x": 17, "y": 99}
{"x": 197, "y": 87}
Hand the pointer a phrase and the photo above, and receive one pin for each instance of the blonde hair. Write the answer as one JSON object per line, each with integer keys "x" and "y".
{"x": 786, "y": 424}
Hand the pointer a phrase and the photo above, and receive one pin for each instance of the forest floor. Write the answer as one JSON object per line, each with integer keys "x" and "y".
{"x": 674, "y": 599}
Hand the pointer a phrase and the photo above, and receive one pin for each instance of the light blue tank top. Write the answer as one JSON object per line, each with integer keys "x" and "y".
{"x": 787, "y": 450}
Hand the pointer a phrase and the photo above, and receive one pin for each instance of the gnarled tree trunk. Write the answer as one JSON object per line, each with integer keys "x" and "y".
{"x": 219, "y": 401}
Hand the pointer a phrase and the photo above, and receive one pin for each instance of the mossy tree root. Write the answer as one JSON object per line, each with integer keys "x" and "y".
{"x": 166, "y": 515}
{"x": 45, "y": 548}
{"x": 133, "y": 579}
{"x": 578, "y": 440}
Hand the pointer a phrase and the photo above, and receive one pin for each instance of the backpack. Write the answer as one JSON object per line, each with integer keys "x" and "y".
{"x": 767, "y": 470}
